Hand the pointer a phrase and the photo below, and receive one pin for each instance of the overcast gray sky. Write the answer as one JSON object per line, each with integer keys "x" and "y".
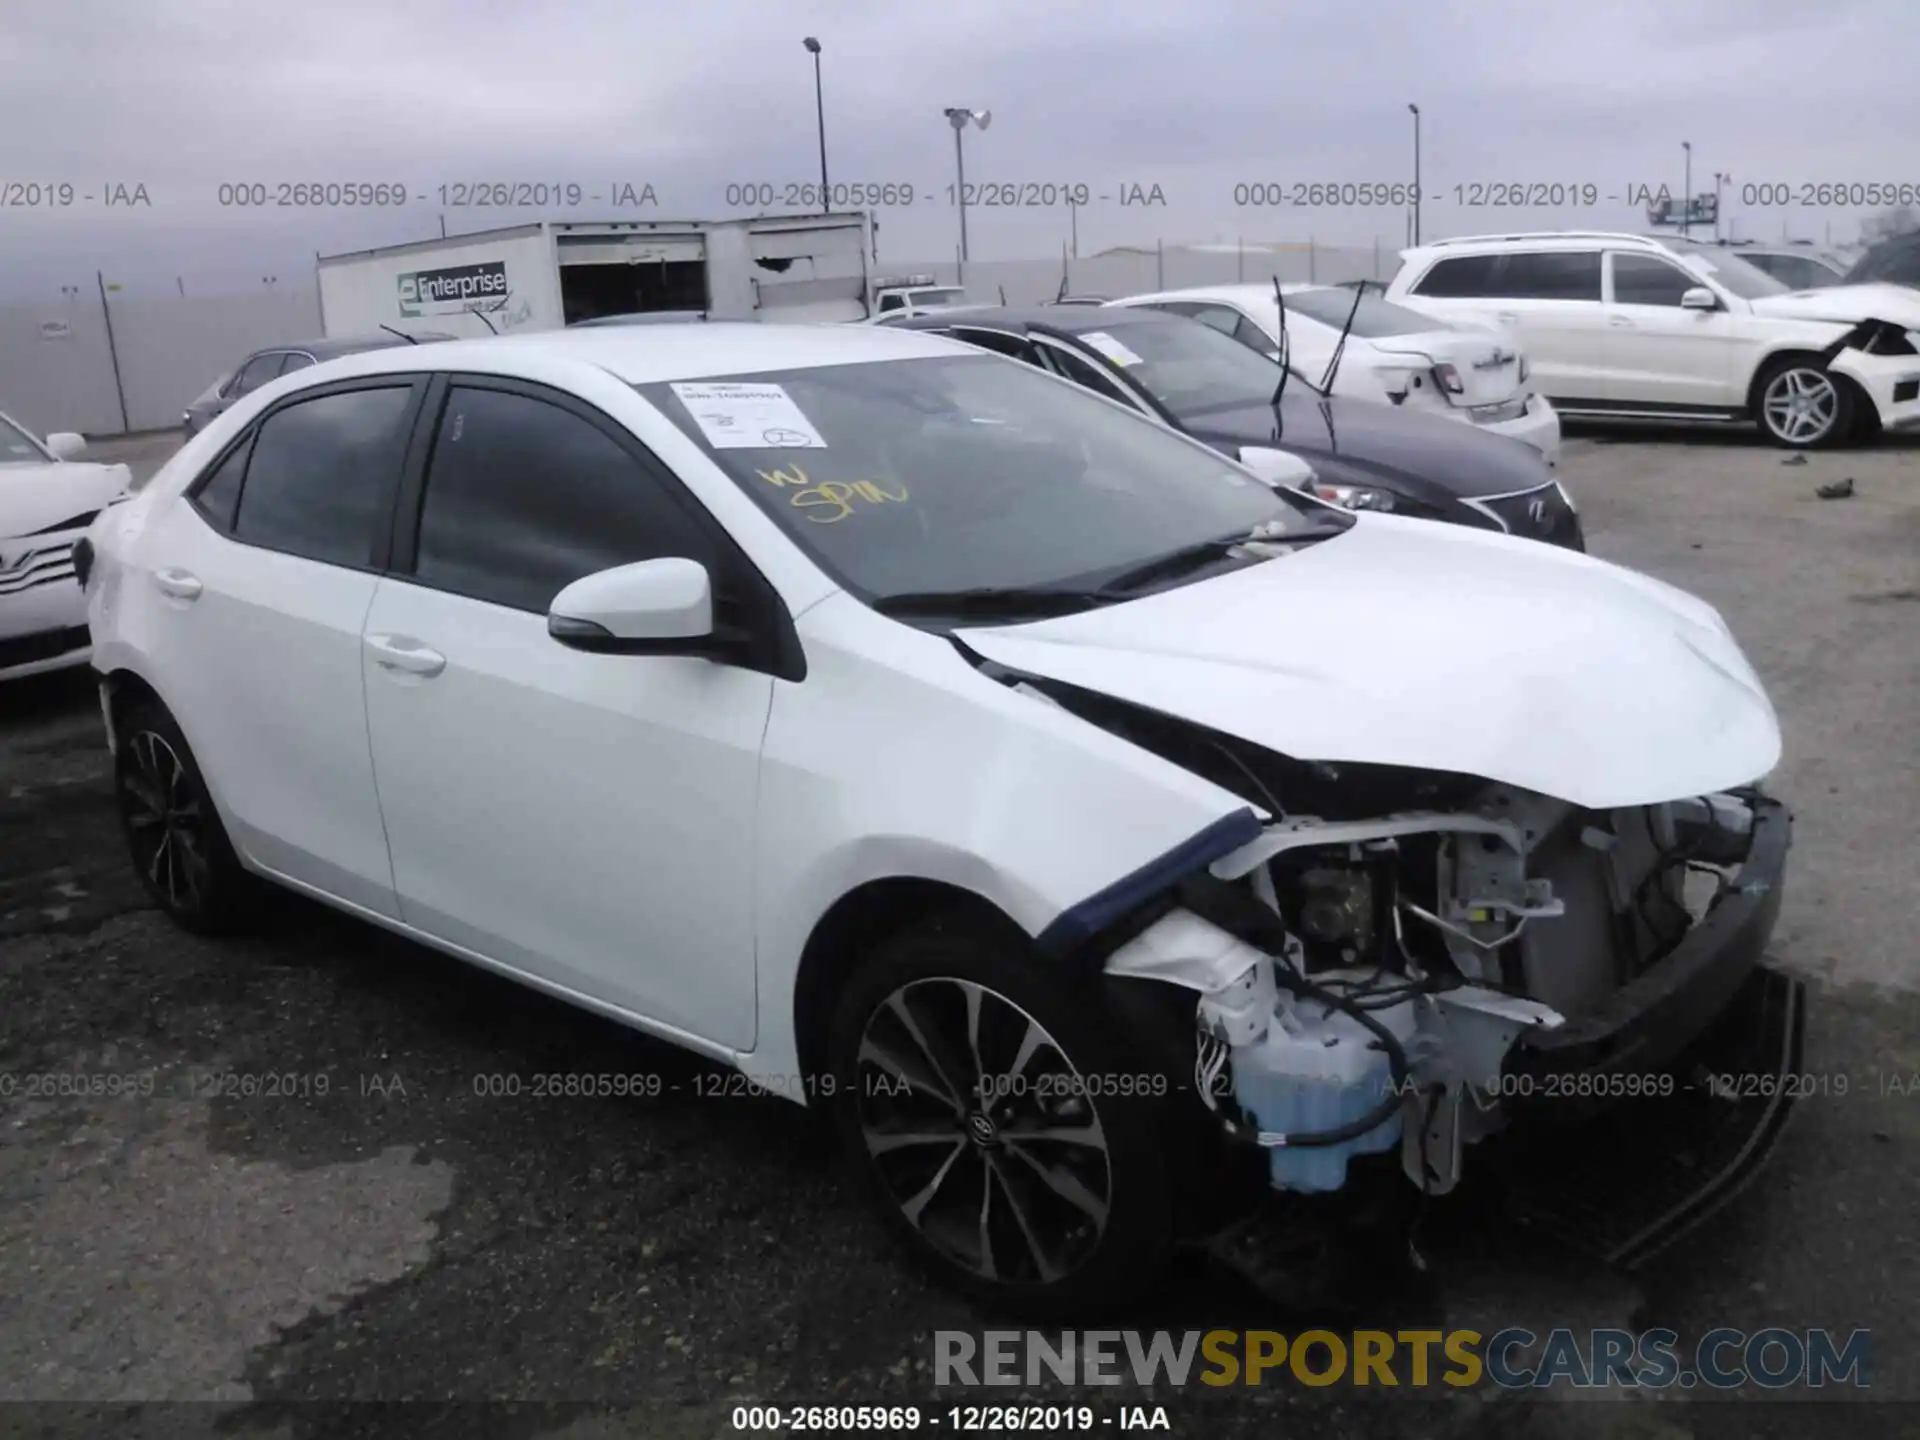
{"x": 181, "y": 96}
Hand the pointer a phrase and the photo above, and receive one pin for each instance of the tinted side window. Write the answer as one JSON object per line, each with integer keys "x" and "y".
{"x": 1464, "y": 277}
{"x": 295, "y": 361}
{"x": 1551, "y": 275}
{"x": 320, "y": 483}
{"x": 259, "y": 370}
{"x": 1643, "y": 280}
{"x": 1217, "y": 317}
{"x": 1252, "y": 336}
{"x": 1011, "y": 346}
{"x": 523, "y": 498}
{"x": 1082, "y": 373}
{"x": 216, "y": 496}
{"x": 1795, "y": 270}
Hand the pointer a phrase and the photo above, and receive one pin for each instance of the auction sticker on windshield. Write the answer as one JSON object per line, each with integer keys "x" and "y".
{"x": 748, "y": 417}
{"x": 1111, "y": 348}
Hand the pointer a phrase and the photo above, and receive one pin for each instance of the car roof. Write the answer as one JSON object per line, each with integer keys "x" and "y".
{"x": 1535, "y": 240}
{"x": 332, "y": 347}
{"x": 643, "y": 354}
{"x": 1066, "y": 319}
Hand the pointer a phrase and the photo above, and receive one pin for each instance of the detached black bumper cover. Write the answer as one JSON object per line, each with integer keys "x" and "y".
{"x": 1648, "y": 1022}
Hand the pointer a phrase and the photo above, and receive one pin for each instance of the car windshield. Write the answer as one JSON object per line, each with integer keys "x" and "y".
{"x": 1190, "y": 368}
{"x": 926, "y": 298}
{"x": 966, "y": 474}
{"x": 17, "y": 447}
{"x": 1730, "y": 272}
{"x": 1375, "y": 319}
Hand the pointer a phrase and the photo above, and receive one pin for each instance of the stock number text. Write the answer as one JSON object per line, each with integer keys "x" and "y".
{"x": 1817, "y": 195}
{"x": 1322, "y": 194}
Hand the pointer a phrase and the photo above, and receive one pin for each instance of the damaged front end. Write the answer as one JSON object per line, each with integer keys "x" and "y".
{"x": 1404, "y": 960}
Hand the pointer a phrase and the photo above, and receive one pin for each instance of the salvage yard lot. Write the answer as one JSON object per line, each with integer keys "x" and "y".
{"x": 360, "y": 1218}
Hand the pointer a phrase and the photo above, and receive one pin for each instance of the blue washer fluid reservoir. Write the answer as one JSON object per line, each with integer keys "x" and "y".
{"x": 1317, "y": 1068}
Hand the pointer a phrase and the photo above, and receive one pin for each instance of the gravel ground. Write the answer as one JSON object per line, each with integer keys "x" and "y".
{"x": 366, "y": 1226}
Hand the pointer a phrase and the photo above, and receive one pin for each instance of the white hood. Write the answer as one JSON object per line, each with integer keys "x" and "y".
{"x": 1847, "y": 304}
{"x": 37, "y": 499}
{"x": 1436, "y": 647}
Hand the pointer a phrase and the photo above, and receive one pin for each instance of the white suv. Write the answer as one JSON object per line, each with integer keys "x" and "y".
{"x": 1624, "y": 325}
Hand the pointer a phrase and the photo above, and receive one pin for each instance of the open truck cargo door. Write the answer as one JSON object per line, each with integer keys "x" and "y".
{"x": 605, "y": 272}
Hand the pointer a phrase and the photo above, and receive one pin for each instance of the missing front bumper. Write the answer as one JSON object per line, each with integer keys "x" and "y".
{"x": 1625, "y": 1186}
{"x": 1642, "y": 1026}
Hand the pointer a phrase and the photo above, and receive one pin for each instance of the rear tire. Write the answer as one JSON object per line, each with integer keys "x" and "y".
{"x": 993, "y": 1107}
{"x": 174, "y": 836}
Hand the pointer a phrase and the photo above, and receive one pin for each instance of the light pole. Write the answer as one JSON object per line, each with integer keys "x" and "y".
{"x": 1414, "y": 110}
{"x": 1718, "y": 178}
{"x": 1686, "y": 192}
{"x": 820, "y": 114}
{"x": 959, "y": 119}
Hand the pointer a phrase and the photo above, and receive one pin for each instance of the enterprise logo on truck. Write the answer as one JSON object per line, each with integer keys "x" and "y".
{"x": 450, "y": 291}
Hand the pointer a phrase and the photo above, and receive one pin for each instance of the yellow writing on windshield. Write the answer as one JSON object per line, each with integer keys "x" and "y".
{"x": 834, "y": 498}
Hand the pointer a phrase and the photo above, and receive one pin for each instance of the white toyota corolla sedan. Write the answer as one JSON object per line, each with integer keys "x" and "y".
{"x": 1091, "y": 827}
{"x": 47, "y": 501}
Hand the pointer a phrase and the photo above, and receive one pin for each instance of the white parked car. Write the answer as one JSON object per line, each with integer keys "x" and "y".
{"x": 1394, "y": 355}
{"x": 47, "y": 501}
{"x": 1668, "y": 329}
{"x": 1798, "y": 267}
{"x": 1094, "y": 828}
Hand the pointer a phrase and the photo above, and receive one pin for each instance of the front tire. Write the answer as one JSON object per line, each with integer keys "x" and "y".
{"x": 1804, "y": 406}
{"x": 174, "y": 836}
{"x": 1001, "y": 1122}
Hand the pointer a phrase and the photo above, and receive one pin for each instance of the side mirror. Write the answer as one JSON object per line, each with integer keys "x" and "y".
{"x": 652, "y": 607}
{"x": 65, "y": 444}
{"x": 1279, "y": 468}
{"x": 1699, "y": 298}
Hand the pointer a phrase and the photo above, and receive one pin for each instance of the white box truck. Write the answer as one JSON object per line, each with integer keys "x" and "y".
{"x": 542, "y": 276}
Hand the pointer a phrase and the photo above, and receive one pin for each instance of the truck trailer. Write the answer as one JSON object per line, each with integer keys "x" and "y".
{"x": 545, "y": 275}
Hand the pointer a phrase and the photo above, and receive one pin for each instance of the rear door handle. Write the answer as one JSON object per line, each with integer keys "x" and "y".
{"x": 1508, "y": 317}
{"x": 180, "y": 584}
{"x": 1620, "y": 322}
{"x": 407, "y": 656}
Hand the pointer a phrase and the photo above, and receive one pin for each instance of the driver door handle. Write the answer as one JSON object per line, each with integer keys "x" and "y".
{"x": 1508, "y": 317}
{"x": 180, "y": 584}
{"x": 1621, "y": 322}
{"x": 407, "y": 656}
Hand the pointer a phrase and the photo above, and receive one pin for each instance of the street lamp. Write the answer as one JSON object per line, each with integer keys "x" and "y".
{"x": 1686, "y": 192}
{"x": 1717, "y": 179}
{"x": 820, "y": 113}
{"x": 959, "y": 119}
{"x": 1414, "y": 110}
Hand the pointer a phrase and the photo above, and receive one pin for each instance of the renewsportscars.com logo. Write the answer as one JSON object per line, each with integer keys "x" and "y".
{"x": 457, "y": 288}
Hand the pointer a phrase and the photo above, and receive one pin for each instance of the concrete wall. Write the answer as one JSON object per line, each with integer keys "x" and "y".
{"x": 170, "y": 348}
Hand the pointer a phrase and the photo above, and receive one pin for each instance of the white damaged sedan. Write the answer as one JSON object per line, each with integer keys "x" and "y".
{"x": 1078, "y": 818}
{"x": 47, "y": 501}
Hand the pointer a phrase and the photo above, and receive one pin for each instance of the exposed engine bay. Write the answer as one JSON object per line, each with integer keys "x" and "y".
{"x": 1366, "y": 981}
